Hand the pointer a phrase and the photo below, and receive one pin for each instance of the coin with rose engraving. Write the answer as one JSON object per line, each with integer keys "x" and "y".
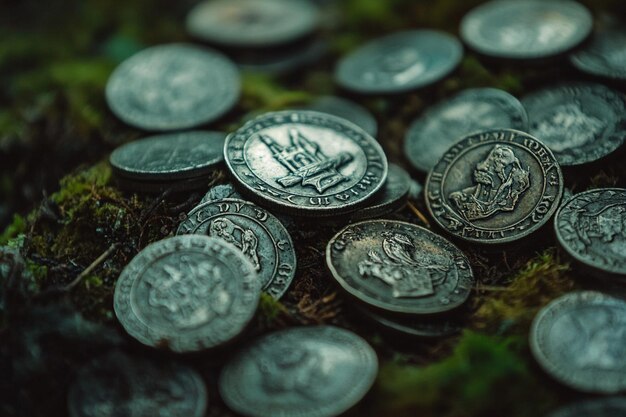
{"x": 494, "y": 187}
{"x": 399, "y": 267}
{"x": 524, "y": 30}
{"x": 602, "y": 407}
{"x": 470, "y": 111}
{"x": 314, "y": 371}
{"x": 591, "y": 227}
{"x": 579, "y": 122}
{"x": 174, "y": 86}
{"x": 580, "y": 340}
{"x": 605, "y": 55}
{"x": 306, "y": 163}
{"x": 390, "y": 198}
{"x": 348, "y": 110}
{"x": 187, "y": 293}
{"x": 119, "y": 385}
{"x": 255, "y": 231}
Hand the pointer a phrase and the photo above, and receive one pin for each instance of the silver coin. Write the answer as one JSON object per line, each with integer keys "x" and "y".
{"x": 399, "y": 267}
{"x": 221, "y": 192}
{"x": 171, "y": 87}
{"x": 399, "y": 62}
{"x": 169, "y": 156}
{"x": 256, "y": 232}
{"x": 187, "y": 293}
{"x": 390, "y": 198}
{"x": 579, "y": 122}
{"x": 470, "y": 111}
{"x": 306, "y": 163}
{"x": 603, "y": 407}
{"x": 252, "y": 23}
{"x": 348, "y": 110}
{"x": 529, "y": 29}
{"x": 605, "y": 55}
{"x": 317, "y": 371}
{"x": 580, "y": 340}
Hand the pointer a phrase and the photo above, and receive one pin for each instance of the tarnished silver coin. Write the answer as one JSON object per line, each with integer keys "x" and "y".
{"x": 399, "y": 62}
{"x": 318, "y": 371}
{"x": 399, "y": 267}
{"x": 494, "y": 187}
{"x": 390, "y": 198}
{"x": 591, "y": 227}
{"x": 169, "y": 156}
{"x": 605, "y": 55}
{"x": 348, "y": 110}
{"x": 118, "y": 385}
{"x": 256, "y": 232}
{"x": 306, "y": 163}
{"x": 171, "y": 87}
{"x": 187, "y": 293}
{"x": 221, "y": 192}
{"x": 579, "y": 122}
{"x": 470, "y": 111}
{"x": 580, "y": 340}
{"x": 603, "y": 407}
{"x": 529, "y": 29}
{"x": 252, "y": 23}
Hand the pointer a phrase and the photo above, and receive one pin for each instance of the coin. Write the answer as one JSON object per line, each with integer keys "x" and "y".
{"x": 175, "y": 86}
{"x": 580, "y": 340}
{"x": 399, "y": 267}
{"x": 605, "y": 55}
{"x": 591, "y": 228}
{"x": 348, "y": 110}
{"x": 470, "y": 111}
{"x": 318, "y": 371}
{"x": 523, "y": 30}
{"x": 169, "y": 156}
{"x": 252, "y": 23}
{"x": 390, "y": 198}
{"x": 221, "y": 192}
{"x": 579, "y": 122}
{"x": 494, "y": 187}
{"x": 399, "y": 62}
{"x": 306, "y": 163}
{"x": 604, "y": 407}
{"x": 414, "y": 326}
{"x": 118, "y": 385}
{"x": 187, "y": 293}
{"x": 256, "y": 232}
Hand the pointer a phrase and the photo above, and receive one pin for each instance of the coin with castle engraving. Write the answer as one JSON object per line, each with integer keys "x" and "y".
{"x": 580, "y": 340}
{"x": 171, "y": 87}
{"x": 306, "y": 163}
{"x": 318, "y": 371}
{"x": 399, "y": 267}
{"x": 390, "y": 198}
{"x": 119, "y": 385}
{"x": 591, "y": 227}
{"x": 494, "y": 187}
{"x": 579, "y": 122}
{"x": 602, "y": 407}
{"x": 187, "y": 293}
{"x": 399, "y": 62}
{"x": 348, "y": 110}
{"x": 605, "y": 55}
{"x": 530, "y": 29}
{"x": 470, "y": 111}
{"x": 256, "y": 232}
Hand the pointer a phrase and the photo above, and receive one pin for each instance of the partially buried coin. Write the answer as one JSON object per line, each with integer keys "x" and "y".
{"x": 523, "y": 30}
{"x": 187, "y": 293}
{"x": 256, "y": 232}
{"x": 171, "y": 87}
{"x": 494, "y": 187}
{"x": 317, "y": 371}
{"x": 579, "y": 122}
{"x": 580, "y": 340}
{"x": 399, "y": 267}
{"x": 603, "y": 407}
{"x": 470, "y": 111}
{"x": 118, "y": 385}
{"x": 605, "y": 55}
{"x": 348, "y": 110}
{"x": 390, "y": 198}
{"x": 399, "y": 62}
{"x": 306, "y": 163}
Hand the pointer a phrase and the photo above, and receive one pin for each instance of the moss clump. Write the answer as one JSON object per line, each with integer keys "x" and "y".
{"x": 13, "y": 230}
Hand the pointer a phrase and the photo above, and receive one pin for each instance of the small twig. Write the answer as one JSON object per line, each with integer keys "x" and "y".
{"x": 418, "y": 214}
{"x": 91, "y": 267}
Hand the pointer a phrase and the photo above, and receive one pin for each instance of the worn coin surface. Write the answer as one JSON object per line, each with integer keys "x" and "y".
{"x": 580, "y": 340}
{"x": 318, "y": 371}
{"x": 256, "y": 232}
{"x": 470, "y": 111}
{"x": 348, "y": 110}
{"x": 604, "y": 407}
{"x": 390, "y": 198}
{"x": 399, "y": 62}
{"x": 187, "y": 293}
{"x": 591, "y": 227}
{"x": 494, "y": 187}
{"x": 306, "y": 163}
{"x": 605, "y": 55}
{"x": 399, "y": 267}
{"x": 530, "y": 29}
{"x": 579, "y": 122}
{"x": 174, "y": 86}
{"x": 169, "y": 156}
{"x": 118, "y": 385}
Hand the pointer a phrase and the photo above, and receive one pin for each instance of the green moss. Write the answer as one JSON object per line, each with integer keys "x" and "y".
{"x": 13, "y": 230}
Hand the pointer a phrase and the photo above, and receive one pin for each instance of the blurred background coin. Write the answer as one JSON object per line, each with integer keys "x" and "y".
{"x": 605, "y": 55}
{"x": 346, "y": 109}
